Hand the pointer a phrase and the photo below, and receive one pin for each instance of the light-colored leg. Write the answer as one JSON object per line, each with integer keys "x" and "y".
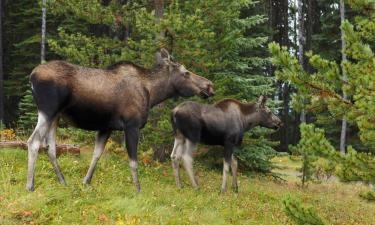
{"x": 51, "y": 142}
{"x": 234, "y": 166}
{"x": 187, "y": 158}
{"x": 176, "y": 156}
{"x": 225, "y": 175}
{"x": 100, "y": 141}
{"x": 132, "y": 137}
{"x": 33, "y": 144}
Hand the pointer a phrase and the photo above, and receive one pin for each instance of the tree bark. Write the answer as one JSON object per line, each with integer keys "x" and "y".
{"x": 301, "y": 43}
{"x": 43, "y": 41}
{"x": 159, "y": 151}
{"x": 1, "y": 67}
{"x": 345, "y": 78}
{"x": 159, "y": 11}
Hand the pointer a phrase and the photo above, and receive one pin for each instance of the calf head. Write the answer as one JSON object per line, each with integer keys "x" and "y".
{"x": 266, "y": 116}
{"x": 185, "y": 82}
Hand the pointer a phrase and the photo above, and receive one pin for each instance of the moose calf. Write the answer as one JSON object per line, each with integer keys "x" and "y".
{"x": 223, "y": 123}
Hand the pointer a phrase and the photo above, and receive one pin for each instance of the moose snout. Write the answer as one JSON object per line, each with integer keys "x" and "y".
{"x": 210, "y": 90}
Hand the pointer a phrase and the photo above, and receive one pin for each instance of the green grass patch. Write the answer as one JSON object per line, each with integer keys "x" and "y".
{"x": 111, "y": 198}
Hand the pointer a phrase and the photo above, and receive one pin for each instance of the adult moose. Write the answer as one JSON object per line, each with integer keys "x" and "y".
{"x": 223, "y": 123}
{"x": 118, "y": 98}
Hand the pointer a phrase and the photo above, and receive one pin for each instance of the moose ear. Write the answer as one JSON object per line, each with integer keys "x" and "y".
{"x": 165, "y": 54}
{"x": 262, "y": 101}
{"x": 162, "y": 57}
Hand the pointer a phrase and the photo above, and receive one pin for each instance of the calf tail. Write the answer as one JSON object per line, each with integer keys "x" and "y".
{"x": 184, "y": 125}
{"x": 173, "y": 121}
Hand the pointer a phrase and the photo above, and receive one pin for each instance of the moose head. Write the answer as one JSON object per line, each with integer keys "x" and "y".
{"x": 185, "y": 82}
{"x": 267, "y": 117}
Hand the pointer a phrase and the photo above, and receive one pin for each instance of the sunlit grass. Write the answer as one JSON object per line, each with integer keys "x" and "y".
{"x": 111, "y": 198}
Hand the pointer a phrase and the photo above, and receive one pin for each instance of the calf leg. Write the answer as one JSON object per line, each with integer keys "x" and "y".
{"x": 51, "y": 142}
{"x": 176, "y": 156}
{"x": 187, "y": 157}
{"x": 234, "y": 166}
{"x": 33, "y": 144}
{"x": 100, "y": 141}
{"x": 228, "y": 151}
{"x": 225, "y": 175}
{"x": 132, "y": 136}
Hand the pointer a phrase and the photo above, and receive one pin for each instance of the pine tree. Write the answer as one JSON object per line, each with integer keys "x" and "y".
{"x": 21, "y": 43}
{"x": 28, "y": 116}
{"x": 323, "y": 88}
{"x": 218, "y": 47}
{"x": 312, "y": 145}
{"x": 1, "y": 68}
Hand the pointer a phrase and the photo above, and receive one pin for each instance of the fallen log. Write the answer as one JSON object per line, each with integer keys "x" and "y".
{"x": 60, "y": 148}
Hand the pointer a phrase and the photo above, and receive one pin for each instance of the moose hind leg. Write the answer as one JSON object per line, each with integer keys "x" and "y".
{"x": 176, "y": 156}
{"x": 131, "y": 138}
{"x": 225, "y": 175}
{"x": 51, "y": 142}
{"x": 33, "y": 144}
{"x": 187, "y": 158}
{"x": 100, "y": 141}
{"x": 234, "y": 166}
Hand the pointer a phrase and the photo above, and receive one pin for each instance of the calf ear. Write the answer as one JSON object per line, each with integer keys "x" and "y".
{"x": 262, "y": 101}
{"x": 165, "y": 54}
{"x": 162, "y": 57}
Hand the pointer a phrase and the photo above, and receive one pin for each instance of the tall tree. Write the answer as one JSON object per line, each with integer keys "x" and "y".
{"x": 1, "y": 66}
{"x": 301, "y": 44}
{"x": 324, "y": 88}
{"x": 159, "y": 10}
{"x": 344, "y": 77}
{"x": 43, "y": 39}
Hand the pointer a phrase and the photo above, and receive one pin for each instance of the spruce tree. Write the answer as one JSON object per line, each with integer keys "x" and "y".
{"x": 219, "y": 47}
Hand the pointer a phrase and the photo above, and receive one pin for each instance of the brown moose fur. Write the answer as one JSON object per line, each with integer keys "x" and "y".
{"x": 116, "y": 98}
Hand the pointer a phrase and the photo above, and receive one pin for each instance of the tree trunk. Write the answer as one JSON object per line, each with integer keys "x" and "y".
{"x": 43, "y": 42}
{"x": 301, "y": 43}
{"x": 344, "y": 76}
{"x": 159, "y": 10}
{"x": 1, "y": 67}
{"x": 159, "y": 151}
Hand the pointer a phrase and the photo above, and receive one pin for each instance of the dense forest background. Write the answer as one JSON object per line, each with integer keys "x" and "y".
{"x": 225, "y": 41}
{"x": 314, "y": 60}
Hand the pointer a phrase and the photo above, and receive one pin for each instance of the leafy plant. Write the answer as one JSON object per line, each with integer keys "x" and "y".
{"x": 301, "y": 214}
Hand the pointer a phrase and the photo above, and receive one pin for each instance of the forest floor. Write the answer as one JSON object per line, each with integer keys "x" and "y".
{"x": 111, "y": 198}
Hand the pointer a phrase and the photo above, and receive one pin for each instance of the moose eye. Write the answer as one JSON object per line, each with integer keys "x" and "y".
{"x": 186, "y": 74}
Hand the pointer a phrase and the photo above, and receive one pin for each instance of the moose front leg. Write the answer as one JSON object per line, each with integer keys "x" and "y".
{"x": 228, "y": 151}
{"x": 131, "y": 138}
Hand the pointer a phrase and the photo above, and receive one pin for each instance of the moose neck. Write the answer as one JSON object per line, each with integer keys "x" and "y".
{"x": 251, "y": 115}
{"x": 160, "y": 87}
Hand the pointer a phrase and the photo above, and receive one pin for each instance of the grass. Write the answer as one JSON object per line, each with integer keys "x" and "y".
{"x": 111, "y": 198}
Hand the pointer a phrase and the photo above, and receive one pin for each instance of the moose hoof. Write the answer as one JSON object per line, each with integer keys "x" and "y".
{"x": 30, "y": 188}
{"x": 86, "y": 182}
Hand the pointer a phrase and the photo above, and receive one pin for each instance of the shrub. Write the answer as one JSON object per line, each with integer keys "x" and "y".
{"x": 368, "y": 195}
{"x": 301, "y": 214}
